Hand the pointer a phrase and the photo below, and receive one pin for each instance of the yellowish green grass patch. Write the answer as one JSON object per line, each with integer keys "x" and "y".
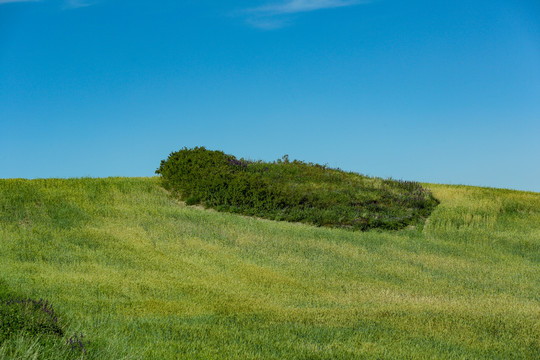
{"x": 147, "y": 277}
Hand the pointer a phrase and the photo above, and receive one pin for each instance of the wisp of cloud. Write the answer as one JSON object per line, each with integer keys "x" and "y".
{"x": 67, "y": 4}
{"x": 297, "y": 6}
{"x": 14, "y": 1}
{"x": 272, "y": 16}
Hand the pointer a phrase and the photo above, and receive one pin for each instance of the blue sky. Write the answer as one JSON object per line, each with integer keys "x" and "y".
{"x": 426, "y": 90}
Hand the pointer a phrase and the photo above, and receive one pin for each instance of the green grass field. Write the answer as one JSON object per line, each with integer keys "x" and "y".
{"x": 145, "y": 277}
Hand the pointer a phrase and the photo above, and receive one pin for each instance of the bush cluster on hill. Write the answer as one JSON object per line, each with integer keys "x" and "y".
{"x": 294, "y": 191}
{"x": 32, "y": 326}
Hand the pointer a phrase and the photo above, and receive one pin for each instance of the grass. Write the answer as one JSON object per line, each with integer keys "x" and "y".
{"x": 146, "y": 277}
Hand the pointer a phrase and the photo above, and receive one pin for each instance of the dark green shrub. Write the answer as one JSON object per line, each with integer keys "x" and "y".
{"x": 34, "y": 317}
{"x": 35, "y": 320}
{"x": 294, "y": 191}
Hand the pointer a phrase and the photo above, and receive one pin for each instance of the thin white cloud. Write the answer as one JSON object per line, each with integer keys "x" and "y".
{"x": 73, "y": 4}
{"x": 67, "y": 4}
{"x": 298, "y": 6}
{"x": 277, "y": 15}
{"x": 14, "y": 1}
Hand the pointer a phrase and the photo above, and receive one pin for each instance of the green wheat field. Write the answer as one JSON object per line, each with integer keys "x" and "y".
{"x": 143, "y": 276}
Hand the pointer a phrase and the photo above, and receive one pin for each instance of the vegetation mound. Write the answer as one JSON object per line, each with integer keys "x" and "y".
{"x": 31, "y": 329}
{"x": 294, "y": 191}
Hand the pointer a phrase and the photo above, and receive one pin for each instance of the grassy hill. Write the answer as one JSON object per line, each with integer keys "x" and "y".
{"x": 143, "y": 276}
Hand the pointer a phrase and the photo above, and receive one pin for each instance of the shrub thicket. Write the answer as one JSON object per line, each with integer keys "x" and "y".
{"x": 294, "y": 191}
{"x": 36, "y": 322}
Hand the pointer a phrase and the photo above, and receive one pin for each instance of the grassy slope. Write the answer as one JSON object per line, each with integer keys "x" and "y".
{"x": 146, "y": 277}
